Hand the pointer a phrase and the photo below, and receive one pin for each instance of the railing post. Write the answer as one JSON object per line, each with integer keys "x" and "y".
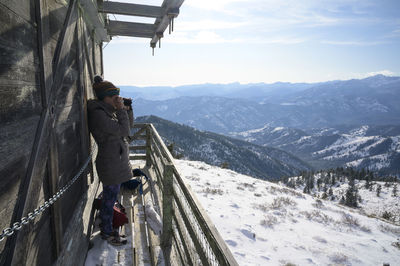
{"x": 148, "y": 145}
{"x": 167, "y": 196}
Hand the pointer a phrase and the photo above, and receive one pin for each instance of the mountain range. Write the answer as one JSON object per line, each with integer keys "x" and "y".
{"x": 235, "y": 107}
{"x": 338, "y": 123}
{"x": 373, "y": 147}
{"x": 238, "y": 155}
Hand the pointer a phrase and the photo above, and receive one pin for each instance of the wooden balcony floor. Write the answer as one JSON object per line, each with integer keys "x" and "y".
{"x": 142, "y": 232}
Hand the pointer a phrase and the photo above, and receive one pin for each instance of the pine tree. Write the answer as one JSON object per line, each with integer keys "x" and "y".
{"x": 351, "y": 194}
{"x": 395, "y": 190}
{"x": 378, "y": 190}
{"x": 342, "y": 200}
{"x": 367, "y": 181}
{"x": 319, "y": 181}
{"x": 311, "y": 181}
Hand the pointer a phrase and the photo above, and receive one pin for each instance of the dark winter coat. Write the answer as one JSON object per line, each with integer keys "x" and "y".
{"x": 109, "y": 128}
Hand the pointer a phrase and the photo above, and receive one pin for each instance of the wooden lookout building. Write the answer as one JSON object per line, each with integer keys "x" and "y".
{"x": 50, "y": 50}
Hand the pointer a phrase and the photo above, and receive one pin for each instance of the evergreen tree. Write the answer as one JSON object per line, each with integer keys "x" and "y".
{"x": 367, "y": 181}
{"x": 362, "y": 174}
{"x": 378, "y": 190}
{"x": 395, "y": 190}
{"x": 311, "y": 181}
{"x": 319, "y": 181}
{"x": 351, "y": 194}
{"x": 342, "y": 200}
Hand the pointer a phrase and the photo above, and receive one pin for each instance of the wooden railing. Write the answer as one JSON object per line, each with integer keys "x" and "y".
{"x": 189, "y": 237}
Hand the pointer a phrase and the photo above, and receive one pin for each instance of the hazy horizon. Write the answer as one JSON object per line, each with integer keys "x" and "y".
{"x": 257, "y": 83}
{"x": 253, "y": 41}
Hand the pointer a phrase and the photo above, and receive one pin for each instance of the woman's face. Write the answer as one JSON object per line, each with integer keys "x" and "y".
{"x": 111, "y": 100}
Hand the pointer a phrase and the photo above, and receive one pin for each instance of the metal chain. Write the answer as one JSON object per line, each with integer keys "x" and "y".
{"x": 32, "y": 215}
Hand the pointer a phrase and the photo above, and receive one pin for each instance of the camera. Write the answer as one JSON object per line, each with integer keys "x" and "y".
{"x": 128, "y": 102}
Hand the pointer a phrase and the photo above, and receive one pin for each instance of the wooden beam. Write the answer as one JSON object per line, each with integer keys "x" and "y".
{"x": 131, "y": 29}
{"x": 132, "y": 9}
{"x": 92, "y": 17}
{"x": 163, "y": 22}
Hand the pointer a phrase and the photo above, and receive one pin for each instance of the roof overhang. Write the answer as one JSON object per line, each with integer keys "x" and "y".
{"x": 164, "y": 16}
{"x": 104, "y": 29}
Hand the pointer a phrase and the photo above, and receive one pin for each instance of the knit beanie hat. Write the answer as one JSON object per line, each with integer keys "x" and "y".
{"x": 104, "y": 88}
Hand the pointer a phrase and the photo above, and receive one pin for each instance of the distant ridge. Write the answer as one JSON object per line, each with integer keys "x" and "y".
{"x": 262, "y": 162}
{"x": 371, "y": 101}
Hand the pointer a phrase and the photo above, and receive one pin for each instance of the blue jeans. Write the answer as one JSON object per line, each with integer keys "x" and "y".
{"x": 110, "y": 194}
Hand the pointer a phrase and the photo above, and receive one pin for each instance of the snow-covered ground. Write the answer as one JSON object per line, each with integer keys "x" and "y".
{"x": 267, "y": 224}
{"x": 370, "y": 204}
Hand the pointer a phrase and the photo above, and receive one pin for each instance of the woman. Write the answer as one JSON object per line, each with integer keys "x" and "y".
{"x": 109, "y": 125}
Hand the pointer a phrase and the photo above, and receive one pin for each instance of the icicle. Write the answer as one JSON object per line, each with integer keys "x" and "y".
{"x": 159, "y": 36}
{"x": 153, "y": 45}
{"x": 170, "y": 21}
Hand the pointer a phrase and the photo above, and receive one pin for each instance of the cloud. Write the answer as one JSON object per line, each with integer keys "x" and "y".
{"x": 201, "y": 37}
{"x": 353, "y": 43}
{"x": 219, "y": 5}
{"x": 382, "y": 72}
{"x": 208, "y": 24}
{"x": 211, "y": 37}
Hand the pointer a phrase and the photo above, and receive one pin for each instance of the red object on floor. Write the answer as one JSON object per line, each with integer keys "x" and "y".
{"x": 119, "y": 217}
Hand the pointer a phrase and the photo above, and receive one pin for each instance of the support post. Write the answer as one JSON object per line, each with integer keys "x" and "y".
{"x": 167, "y": 196}
{"x": 148, "y": 146}
{"x": 53, "y": 174}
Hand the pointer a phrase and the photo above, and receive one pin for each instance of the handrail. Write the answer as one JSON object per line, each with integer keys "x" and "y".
{"x": 194, "y": 237}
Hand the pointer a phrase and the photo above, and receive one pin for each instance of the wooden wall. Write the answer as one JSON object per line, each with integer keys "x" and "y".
{"x": 48, "y": 56}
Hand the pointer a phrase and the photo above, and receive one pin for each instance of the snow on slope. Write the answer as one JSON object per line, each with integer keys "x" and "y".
{"x": 267, "y": 224}
{"x": 370, "y": 203}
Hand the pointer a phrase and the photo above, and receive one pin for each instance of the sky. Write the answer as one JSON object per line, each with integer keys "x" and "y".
{"x": 252, "y": 41}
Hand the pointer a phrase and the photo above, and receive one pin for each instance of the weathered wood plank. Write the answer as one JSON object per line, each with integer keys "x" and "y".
{"x": 184, "y": 254}
{"x": 137, "y": 156}
{"x": 83, "y": 97}
{"x": 163, "y": 148}
{"x": 56, "y": 217}
{"x": 219, "y": 247}
{"x": 10, "y": 182}
{"x": 156, "y": 253}
{"x": 131, "y": 9}
{"x": 62, "y": 55}
{"x": 142, "y": 252}
{"x": 23, "y": 9}
{"x": 76, "y": 235}
{"x": 190, "y": 229}
{"x": 127, "y": 252}
{"x": 19, "y": 103}
{"x": 92, "y": 18}
{"x": 18, "y": 44}
{"x": 137, "y": 148}
{"x": 154, "y": 188}
{"x": 167, "y": 195}
{"x": 132, "y": 29}
{"x": 57, "y": 12}
{"x": 44, "y": 44}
